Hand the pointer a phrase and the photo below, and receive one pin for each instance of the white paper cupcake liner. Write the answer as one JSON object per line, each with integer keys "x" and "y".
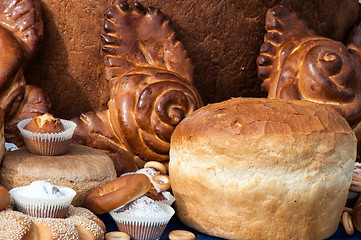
{"x": 47, "y": 144}
{"x": 54, "y": 207}
{"x": 170, "y": 199}
{"x": 143, "y": 227}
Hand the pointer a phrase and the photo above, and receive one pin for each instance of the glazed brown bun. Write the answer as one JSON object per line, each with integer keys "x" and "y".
{"x": 4, "y": 198}
{"x": 45, "y": 123}
{"x": 117, "y": 193}
{"x": 262, "y": 169}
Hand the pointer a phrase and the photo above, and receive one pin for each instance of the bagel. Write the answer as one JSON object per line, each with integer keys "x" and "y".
{"x": 347, "y": 223}
{"x": 181, "y": 235}
{"x": 117, "y": 236}
{"x": 4, "y": 198}
{"x": 161, "y": 181}
{"x": 157, "y": 166}
{"x": 117, "y": 192}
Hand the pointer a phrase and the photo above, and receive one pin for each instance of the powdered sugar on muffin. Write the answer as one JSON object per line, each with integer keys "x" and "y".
{"x": 143, "y": 206}
{"x": 42, "y": 189}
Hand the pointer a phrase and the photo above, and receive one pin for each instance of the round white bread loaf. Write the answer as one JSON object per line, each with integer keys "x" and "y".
{"x": 262, "y": 169}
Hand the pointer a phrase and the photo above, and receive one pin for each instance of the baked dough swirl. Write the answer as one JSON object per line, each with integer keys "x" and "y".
{"x": 295, "y": 63}
{"x": 147, "y": 113}
{"x": 150, "y": 79}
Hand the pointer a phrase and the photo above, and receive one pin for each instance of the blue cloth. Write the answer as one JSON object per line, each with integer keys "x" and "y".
{"x": 175, "y": 224}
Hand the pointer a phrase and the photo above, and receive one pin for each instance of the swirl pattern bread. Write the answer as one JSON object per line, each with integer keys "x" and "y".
{"x": 150, "y": 79}
{"x": 21, "y": 30}
{"x": 295, "y": 63}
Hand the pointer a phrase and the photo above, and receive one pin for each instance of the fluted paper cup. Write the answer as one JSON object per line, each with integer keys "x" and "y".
{"x": 47, "y": 144}
{"x": 143, "y": 227}
{"x": 169, "y": 198}
{"x": 52, "y": 207}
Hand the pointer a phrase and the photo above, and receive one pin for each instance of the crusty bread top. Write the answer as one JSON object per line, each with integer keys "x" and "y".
{"x": 260, "y": 116}
{"x": 292, "y": 134}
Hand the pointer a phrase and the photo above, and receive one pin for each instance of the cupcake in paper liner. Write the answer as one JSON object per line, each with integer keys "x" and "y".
{"x": 143, "y": 218}
{"x": 42, "y": 199}
{"x": 46, "y": 135}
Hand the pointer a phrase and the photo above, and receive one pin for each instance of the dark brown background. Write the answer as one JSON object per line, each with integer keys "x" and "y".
{"x": 222, "y": 38}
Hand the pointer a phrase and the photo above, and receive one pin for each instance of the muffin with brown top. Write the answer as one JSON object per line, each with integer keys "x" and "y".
{"x": 45, "y": 124}
{"x": 47, "y": 135}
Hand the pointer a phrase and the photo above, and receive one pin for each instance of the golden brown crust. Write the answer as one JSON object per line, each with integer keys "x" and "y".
{"x": 95, "y": 130}
{"x": 214, "y": 33}
{"x": 181, "y": 235}
{"x": 262, "y": 169}
{"x": 4, "y": 198}
{"x": 295, "y": 63}
{"x": 117, "y": 192}
{"x": 266, "y": 117}
{"x": 161, "y": 182}
{"x": 117, "y": 236}
{"x": 24, "y": 20}
{"x": 150, "y": 79}
{"x": 45, "y": 123}
{"x": 157, "y": 166}
{"x": 21, "y": 30}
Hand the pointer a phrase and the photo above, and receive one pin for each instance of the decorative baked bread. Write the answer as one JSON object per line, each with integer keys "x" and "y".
{"x": 222, "y": 39}
{"x": 295, "y": 63}
{"x": 21, "y": 30}
{"x": 262, "y": 169}
{"x": 79, "y": 224}
{"x": 81, "y": 169}
{"x": 150, "y": 79}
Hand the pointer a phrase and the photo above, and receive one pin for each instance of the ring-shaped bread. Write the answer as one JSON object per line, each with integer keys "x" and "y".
{"x": 161, "y": 181}
{"x": 117, "y": 192}
{"x": 347, "y": 223}
{"x": 157, "y": 166}
{"x": 181, "y": 235}
{"x": 116, "y": 235}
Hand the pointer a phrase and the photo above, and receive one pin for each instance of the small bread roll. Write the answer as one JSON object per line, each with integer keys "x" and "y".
{"x": 45, "y": 123}
{"x": 262, "y": 169}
